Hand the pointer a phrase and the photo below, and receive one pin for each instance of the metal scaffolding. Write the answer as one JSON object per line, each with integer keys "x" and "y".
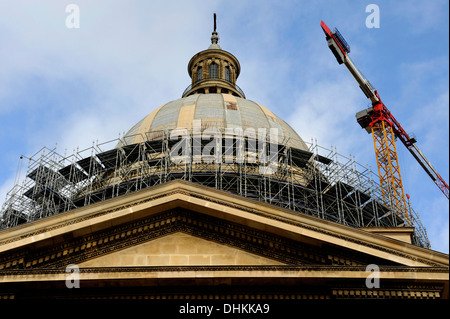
{"x": 317, "y": 181}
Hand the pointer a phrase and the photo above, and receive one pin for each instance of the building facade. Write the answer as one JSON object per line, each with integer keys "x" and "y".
{"x": 211, "y": 196}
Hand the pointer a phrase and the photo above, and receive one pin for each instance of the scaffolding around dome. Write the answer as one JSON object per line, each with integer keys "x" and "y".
{"x": 318, "y": 182}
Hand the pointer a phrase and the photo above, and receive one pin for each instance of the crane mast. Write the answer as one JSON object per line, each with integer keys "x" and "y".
{"x": 383, "y": 126}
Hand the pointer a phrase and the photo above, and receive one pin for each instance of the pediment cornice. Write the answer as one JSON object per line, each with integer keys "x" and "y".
{"x": 221, "y": 206}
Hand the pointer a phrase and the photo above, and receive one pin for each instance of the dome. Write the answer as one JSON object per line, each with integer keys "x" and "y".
{"x": 219, "y": 111}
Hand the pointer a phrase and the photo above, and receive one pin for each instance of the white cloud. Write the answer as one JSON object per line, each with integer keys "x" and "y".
{"x": 422, "y": 16}
{"x": 74, "y": 86}
{"x": 5, "y": 187}
{"x": 435, "y": 215}
{"x": 326, "y": 111}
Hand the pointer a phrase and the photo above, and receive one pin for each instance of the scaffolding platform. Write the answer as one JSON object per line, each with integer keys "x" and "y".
{"x": 109, "y": 159}
{"x": 72, "y": 173}
{"x": 314, "y": 181}
{"x": 300, "y": 157}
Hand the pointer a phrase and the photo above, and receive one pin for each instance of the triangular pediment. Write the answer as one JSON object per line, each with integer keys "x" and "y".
{"x": 178, "y": 249}
{"x": 182, "y": 239}
{"x": 263, "y": 233}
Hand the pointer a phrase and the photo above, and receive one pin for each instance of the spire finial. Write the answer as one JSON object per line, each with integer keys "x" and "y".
{"x": 214, "y": 37}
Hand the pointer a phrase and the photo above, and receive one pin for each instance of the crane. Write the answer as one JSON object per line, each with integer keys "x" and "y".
{"x": 379, "y": 121}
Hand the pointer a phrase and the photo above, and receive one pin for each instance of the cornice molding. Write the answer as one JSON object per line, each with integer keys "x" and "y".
{"x": 224, "y": 205}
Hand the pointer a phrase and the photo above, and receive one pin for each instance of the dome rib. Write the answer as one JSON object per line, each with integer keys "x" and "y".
{"x": 218, "y": 110}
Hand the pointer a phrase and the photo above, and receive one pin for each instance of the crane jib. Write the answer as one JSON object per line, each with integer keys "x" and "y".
{"x": 379, "y": 112}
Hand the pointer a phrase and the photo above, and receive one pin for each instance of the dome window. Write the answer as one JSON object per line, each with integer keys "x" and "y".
{"x": 199, "y": 73}
{"x": 213, "y": 71}
{"x": 227, "y": 74}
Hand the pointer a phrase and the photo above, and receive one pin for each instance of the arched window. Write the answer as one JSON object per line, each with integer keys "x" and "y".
{"x": 227, "y": 73}
{"x": 213, "y": 71}
{"x": 199, "y": 73}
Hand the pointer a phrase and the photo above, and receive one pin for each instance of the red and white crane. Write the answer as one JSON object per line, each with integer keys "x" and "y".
{"x": 379, "y": 121}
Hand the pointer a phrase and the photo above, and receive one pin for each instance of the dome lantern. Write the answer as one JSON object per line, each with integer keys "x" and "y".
{"x": 214, "y": 70}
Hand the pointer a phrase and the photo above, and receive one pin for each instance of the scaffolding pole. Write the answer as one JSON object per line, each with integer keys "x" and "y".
{"x": 316, "y": 181}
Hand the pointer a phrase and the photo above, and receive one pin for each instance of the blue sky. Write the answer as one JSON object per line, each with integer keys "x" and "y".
{"x": 71, "y": 87}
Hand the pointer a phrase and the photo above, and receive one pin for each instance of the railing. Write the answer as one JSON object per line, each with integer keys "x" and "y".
{"x": 216, "y": 79}
{"x": 313, "y": 180}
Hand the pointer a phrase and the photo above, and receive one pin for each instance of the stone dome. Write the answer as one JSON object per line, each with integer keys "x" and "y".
{"x": 217, "y": 110}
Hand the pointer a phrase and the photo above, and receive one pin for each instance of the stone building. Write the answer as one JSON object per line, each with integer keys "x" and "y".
{"x": 193, "y": 204}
